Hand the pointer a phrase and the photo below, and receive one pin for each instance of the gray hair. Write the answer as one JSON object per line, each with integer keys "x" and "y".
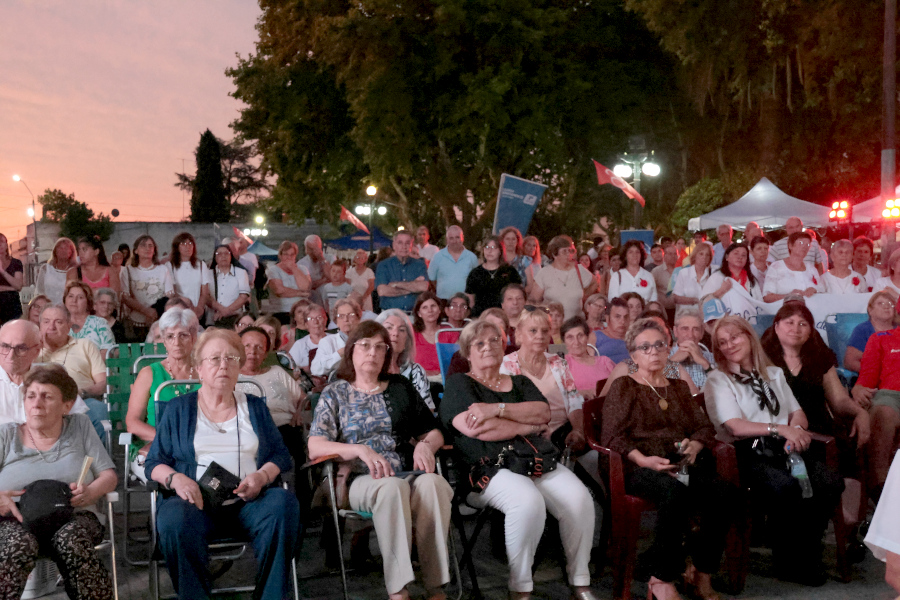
{"x": 312, "y": 239}
{"x": 842, "y": 244}
{"x": 59, "y": 307}
{"x": 408, "y": 354}
{"x": 453, "y": 228}
{"x": 107, "y": 292}
{"x": 689, "y": 312}
{"x": 471, "y": 332}
{"x": 179, "y": 317}
{"x": 639, "y": 327}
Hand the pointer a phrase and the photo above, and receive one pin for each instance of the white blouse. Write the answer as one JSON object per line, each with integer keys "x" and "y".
{"x": 715, "y": 282}
{"x": 51, "y": 282}
{"x": 643, "y": 283}
{"x": 235, "y": 452}
{"x": 282, "y": 393}
{"x": 147, "y": 286}
{"x": 854, "y": 283}
{"x": 782, "y": 280}
{"x": 687, "y": 285}
{"x": 189, "y": 281}
{"x": 884, "y": 533}
{"x": 884, "y": 283}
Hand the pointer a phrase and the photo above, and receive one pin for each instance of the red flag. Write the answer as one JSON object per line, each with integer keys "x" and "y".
{"x": 240, "y": 234}
{"x": 346, "y": 215}
{"x": 605, "y": 175}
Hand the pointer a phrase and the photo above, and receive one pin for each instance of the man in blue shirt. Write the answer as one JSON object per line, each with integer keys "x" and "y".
{"x": 450, "y": 267}
{"x": 611, "y": 341}
{"x": 400, "y": 279}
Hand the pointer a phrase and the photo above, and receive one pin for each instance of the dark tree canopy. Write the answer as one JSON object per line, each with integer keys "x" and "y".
{"x": 208, "y": 200}
{"x": 75, "y": 218}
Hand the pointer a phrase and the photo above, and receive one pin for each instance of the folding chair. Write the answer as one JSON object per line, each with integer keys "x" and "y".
{"x": 446, "y": 349}
{"x": 838, "y": 328}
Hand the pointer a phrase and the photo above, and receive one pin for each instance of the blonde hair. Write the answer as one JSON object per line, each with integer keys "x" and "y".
{"x": 758, "y": 357}
{"x": 228, "y": 336}
{"x": 471, "y": 332}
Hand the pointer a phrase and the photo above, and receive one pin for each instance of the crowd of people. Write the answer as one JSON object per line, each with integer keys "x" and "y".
{"x": 348, "y": 356}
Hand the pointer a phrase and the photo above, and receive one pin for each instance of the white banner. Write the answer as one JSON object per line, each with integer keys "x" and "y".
{"x": 738, "y": 301}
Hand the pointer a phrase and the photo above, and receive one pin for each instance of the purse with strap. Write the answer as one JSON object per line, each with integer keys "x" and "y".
{"x": 532, "y": 456}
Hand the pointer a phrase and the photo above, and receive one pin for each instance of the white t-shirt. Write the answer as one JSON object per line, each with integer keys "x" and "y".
{"x": 327, "y": 358}
{"x": 726, "y": 399}
{"x": 622, "y": 282}
{"x": 282, "y": 393}
{"x": 885, "y": 283}
{"x": 884, "y": 532}
{"x": 274, "y": 272}
{"x": 854, "y": 283}
{"x": 360, "y": 284}
{"x": 301, "y": 349}
{"x": 12, "y": 401}
{"x": 189, "y": 281}
{"x": 251, "y": 263}
{"x": 51, "y": 282}
{"x": 146, "y": 286}
{"x": 782, "y": 280}
{"x": 686, "y": 283}
{"x": 427, "y": 251}
{"x": 230, "y": 285}
{"x": 211, "y": 445}
{"x": 715, "y": 280}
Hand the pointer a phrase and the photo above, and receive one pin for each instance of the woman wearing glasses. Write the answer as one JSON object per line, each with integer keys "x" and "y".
{"x": 224, "y": 430}
{"x": 487, "y": 280}
{"x": 191, "y": 275}
{"x": 178, "y": 327}
{"x": 881, "y": 318}
{"x": 656, "y": 425}
{"x": 485, "y": 410}
{"x": 369, "y": 417}
{"x": 305, "y": 349}
{"x": 331, "y": 349}
{"x": 564, "y": 281}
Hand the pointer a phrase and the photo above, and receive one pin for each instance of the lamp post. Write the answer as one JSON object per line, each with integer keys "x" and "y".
{"x": 636, "y": 164}
{"x": 369, "y": 209}
{"x": 31, "y": 213}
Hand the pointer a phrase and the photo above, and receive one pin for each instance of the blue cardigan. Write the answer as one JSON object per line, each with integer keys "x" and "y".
{"x": 174, "y": 441}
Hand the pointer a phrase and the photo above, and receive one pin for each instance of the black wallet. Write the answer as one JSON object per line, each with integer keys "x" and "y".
{"x": 217, "y": 485}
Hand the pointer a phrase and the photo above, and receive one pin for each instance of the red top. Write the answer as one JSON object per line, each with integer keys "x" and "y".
{"x": 881, "y": 361}
{"x": 426, "y": 354}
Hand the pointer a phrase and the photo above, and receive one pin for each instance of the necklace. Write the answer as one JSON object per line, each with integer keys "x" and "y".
{"x": 793, "y": 370}
{"x": 486, "y": 383}
{"x": 663, "y": 400}
{"x": 534, "y": 372}
{"x": 220, "y": 427}
{"x": 371, "y": 391}
{"x": 58, "y": 446}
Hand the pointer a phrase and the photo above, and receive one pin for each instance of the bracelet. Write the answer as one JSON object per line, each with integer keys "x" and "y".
{"x": 169, "y": 479}
{"x": 773, "y": 429}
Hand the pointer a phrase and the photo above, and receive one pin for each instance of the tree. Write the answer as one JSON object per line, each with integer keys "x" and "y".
{"x": 433, "y": 102}
{"x": 243, "y": 181}
{"x": 75, "y": 218}
{"x": 209, "y": 203}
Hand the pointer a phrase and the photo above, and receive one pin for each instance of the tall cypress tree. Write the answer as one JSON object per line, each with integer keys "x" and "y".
{"x": 208, "y": 201}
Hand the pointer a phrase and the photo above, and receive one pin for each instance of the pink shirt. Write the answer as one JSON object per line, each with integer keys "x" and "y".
{"x": 426, "y": 353}
{"x": 587, "y": 376}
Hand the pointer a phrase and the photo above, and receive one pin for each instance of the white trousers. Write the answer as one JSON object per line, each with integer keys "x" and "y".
{"x": 525, "y": 503}
{"x": 399, "y": 507}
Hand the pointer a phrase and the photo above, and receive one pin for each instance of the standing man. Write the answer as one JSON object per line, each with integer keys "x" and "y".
{"x": 656, "y": 257}
{"x": 426, "y": 250}
{"x": 751, "y": 231}
{"x": 316, "y": 264}
{"x": 250, "y": 262}
{"x": 450, "y": 267}
{"x": 725, "y": 233}
{"x": 400, "y": 279}
{"x": 662, "y": 274}
{"x": 779, "y": 250}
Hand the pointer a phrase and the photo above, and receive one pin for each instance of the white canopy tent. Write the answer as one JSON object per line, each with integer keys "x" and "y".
{"x": 870, "y": 210}
{"x": 765, "y": 204}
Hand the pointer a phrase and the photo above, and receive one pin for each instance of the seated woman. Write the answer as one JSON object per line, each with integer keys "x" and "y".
{"x": 792, "y": 275}
{"x": 53, "y": 444}
{"x": 426, "y": 315}
{"x": 557, "y": 316}
{"x": 37, "y": 304}
{"x": 403, "y": 355}
{"x": 654, "y": 422}
{"x": 551, "y": 375}
{"x": 199, "y": 431}
{"x": 243, "y": 323}
{"x": 484, "y": 410}
{"x": 368, "y": 417}
{"x": 735, "y": 270}
{"x": 586, "y": 366}
{"x": 881, "y": 318}
{"x": 106, "y": 305}
{"x": 595, "y": 309}
{"x": 752, "y": 407}
{"x": 179, "y": 332}
{"x": 79, "y": 299}
{"x": 842, "y": 279}
{"x": 304, "y": 350}
{"x": 459, "y": 364}
{"x": 346, "y": 314}
{"x": 457, "y": 311}
{"x": 636, "y": 305}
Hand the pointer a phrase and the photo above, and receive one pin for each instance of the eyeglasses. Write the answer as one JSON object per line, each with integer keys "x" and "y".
{"x": 340, "y": 316}
{"x": 532, "y": 308}
{"x": 379, "y": 347}
{"x": 649, "y": 348}
{"x": 483, "y": 345}
{"x": 730, "y": 341}
{"x": 182, "y": 336}
{"x": 186, "y": 243}
{"x": 458, "y": 305}
{"x": 315, "y": 319}
{"x": 568, "y": 250}
{"x": 879, "y": 304}
{"x": 491, "y": 247}
{"x": 230, "y": 360}
{"x": 20, "y": 350}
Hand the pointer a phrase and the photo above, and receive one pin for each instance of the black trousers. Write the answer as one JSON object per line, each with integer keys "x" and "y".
{"x": 795, "y": 525}
{"x": 717, "y": 502}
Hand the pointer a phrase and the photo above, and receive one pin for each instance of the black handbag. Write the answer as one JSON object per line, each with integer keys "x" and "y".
{"x": 46, "y": 506}
{"x": 532, "y": 456}
{"x": 217, "y": 486}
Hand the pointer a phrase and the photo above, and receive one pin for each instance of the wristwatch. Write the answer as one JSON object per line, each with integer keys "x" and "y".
{"x": 169, "y": 479}
{"x": 502, "y": 407}
{"x": 773, "y": 429}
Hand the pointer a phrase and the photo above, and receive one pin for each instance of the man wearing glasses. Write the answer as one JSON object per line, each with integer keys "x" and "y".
{"x": 20, "y": 343}
{"x": 450, "y": 267}
{"x": 400, "y": 279}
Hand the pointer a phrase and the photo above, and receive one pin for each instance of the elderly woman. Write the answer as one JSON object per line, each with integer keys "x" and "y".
{"x": 179, "y": 332}
{"x": 362, "y": 278}
{"x": 190, "y": 275}
{"x": 79, "y": 299}
{"x": 52, "y": 275}
{"x": 485, "y": 410}
{"x": 403, "y": 355}
{"x": 52, "y": 444}
{"x": 842, "y": 279}
{"x": 881, "y": 318}
{"x": 654, "y": 422}
{"x": 586, "y": 366}
{"x": 459, "y": 364}
{"x": 595, "y": 310}
{"x": 219, "y": 428}
{"x": 689, "y": 282}
{"x": 752, "y": 406}
{"x": 369, "y": 417}
{"x": 346, "y": 314}
{"x": 37, "y": 304}
{"x": 551, "y": 375}
{"x": 735, "y": 270}
{"x": 486, "y": 281}
{"x": 792, "y": 275}
{"x": 759, "y": 254}
{"x": 106, "y": 303}
{"x": 564, "y": 281}
{"x": 457, "y": 311}
{"x": 297, "y": 328}
{"x": 287, "y": 281}
{"x": 633, "y": 277}
{"x": 230, "y": 293}
{"x": 890, "y": 283}
{"x": 304, "y": 350}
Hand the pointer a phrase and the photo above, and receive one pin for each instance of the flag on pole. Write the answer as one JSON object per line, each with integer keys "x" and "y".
{"x": 241, "y": 235}
{"x": 605, "y": 175}
{"x": 346, "y": 215}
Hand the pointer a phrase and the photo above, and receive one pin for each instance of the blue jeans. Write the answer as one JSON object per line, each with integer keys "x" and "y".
{"x": 271, "y": 520}
{"x": 98, "y": 412}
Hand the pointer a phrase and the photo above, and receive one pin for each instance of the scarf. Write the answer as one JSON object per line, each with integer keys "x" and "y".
{"x": 764, "y": 394}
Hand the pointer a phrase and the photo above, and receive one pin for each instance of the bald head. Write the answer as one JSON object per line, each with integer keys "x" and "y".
{"x": 455, "y": 238}
{"x": 793, "y": 225}
{"x": 20, "y": 343}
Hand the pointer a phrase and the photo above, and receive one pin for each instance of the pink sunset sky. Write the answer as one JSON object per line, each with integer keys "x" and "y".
{"x": 104, "y": 99}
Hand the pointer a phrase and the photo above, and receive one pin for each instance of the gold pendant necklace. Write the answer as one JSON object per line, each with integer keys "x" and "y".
{"x": 663, "y": 400}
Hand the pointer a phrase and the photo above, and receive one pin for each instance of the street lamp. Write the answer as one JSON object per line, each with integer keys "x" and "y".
{"x": 31, "y": 213}
{"x": 634, "y": 163}
{"x": 369, "y": 210}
